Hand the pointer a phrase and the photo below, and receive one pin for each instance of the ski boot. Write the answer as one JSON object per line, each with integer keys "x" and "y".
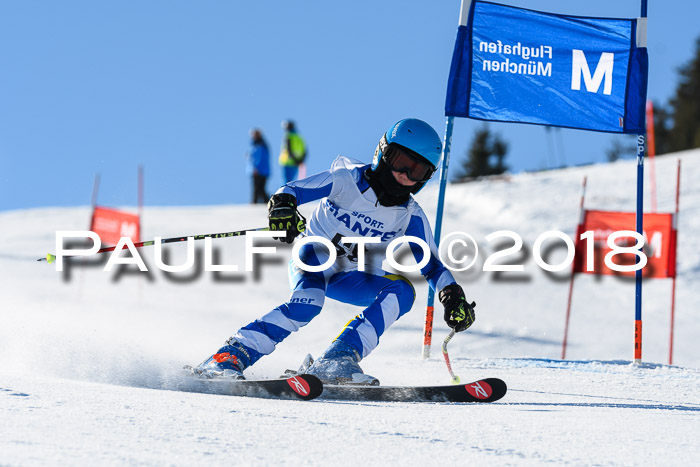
{"x": 225, "y": 363}
{"x": 339, "y": 364}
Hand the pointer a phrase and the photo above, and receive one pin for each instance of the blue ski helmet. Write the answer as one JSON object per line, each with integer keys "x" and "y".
{"x": 415, "y": 135}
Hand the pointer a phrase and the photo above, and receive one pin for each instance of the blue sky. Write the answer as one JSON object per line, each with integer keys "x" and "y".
{"x": 92, "y": 88}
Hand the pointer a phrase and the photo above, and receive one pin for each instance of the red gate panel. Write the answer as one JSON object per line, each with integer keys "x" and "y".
{"x": 111, "y": 225}
{"x": 659, "y": 245}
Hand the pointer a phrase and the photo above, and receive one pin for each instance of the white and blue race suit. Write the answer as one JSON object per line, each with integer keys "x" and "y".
{"x": 348, "y": 208}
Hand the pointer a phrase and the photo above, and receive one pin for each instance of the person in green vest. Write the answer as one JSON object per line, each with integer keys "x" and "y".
{"x": 292, "y": 153}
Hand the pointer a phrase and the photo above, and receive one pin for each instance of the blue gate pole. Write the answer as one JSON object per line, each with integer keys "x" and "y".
{"x": 640, "y": 230}
{"x": 641, "y": 140}
{"x": 428, "y": 327}
{"x": 465, "y": 7}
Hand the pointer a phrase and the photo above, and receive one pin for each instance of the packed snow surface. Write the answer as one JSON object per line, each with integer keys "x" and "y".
{"x": 91, "y": 360}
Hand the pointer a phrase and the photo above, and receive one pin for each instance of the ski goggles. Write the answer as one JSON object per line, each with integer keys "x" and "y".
{"x": 401, "y": 159}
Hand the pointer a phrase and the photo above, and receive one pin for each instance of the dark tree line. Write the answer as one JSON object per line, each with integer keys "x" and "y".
{"x": 677, "y": 125}
{"x": 486, "y": 156}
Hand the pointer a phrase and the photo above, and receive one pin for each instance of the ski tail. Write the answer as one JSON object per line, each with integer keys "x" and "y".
{"x": 302, "y": 386}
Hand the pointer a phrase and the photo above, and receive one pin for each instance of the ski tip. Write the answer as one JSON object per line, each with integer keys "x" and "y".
{"x": 306, "y": 386}
{"x": 487, "y": 390}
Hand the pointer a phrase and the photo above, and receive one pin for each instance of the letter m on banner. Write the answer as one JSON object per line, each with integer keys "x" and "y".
{"x": 604, "y": 70}
{"x": 515, "y": 65}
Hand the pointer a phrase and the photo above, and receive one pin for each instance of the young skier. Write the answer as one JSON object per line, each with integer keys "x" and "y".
{"x": 357, "y": 200}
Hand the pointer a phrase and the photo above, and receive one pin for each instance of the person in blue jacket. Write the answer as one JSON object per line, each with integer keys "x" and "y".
{"x": 356, "y": 200}
{"x": 258, "y": 165}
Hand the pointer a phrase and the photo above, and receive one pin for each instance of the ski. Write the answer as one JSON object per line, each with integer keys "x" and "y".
{"x": 304, "y": 387}
{"x": 483, "y": 390}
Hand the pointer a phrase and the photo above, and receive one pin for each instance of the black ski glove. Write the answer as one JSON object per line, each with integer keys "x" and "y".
{"x": 283, "y": 215}
{"x": 459, "y": 314}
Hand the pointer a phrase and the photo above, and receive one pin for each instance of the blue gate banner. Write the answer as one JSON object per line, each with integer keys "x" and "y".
{"x": 517, "y": 65}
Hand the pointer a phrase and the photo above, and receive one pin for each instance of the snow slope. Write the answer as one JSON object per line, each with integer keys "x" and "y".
{"x": 90, "y": 359}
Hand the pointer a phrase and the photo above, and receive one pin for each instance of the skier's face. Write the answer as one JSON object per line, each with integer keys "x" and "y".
{"x": 402, "y": 178}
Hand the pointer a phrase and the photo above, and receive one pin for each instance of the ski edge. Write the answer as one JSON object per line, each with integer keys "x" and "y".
{"x": 473, "y": 392}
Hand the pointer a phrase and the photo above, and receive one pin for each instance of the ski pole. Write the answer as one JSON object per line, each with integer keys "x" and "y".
{"x": 50, "y": 258}
{"x": 455, "y": 379}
